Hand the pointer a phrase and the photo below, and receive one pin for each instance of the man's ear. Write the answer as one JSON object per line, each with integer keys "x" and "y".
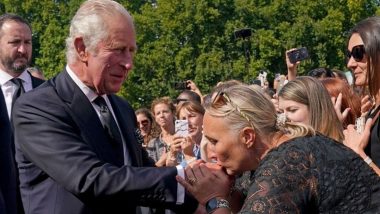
{"x": 80, "y": 48}
{"x": 249, "y": 135}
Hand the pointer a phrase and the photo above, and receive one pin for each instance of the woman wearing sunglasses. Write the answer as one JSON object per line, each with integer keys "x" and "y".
{"x": 363, "y": 56}
{"x": 296, "y": 170}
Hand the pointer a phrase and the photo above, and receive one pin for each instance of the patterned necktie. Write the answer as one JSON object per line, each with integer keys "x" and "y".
{"x": 20, "y": 89}
{"x": 109, "y": 122}
{"x": 111, "y": 129}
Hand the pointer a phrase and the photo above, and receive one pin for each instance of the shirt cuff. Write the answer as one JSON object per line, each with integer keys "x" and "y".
{"x": 180, "y": 188}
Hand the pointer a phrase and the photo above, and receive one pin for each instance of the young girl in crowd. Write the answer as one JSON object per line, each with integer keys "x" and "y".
{"x": 307, "y": 101}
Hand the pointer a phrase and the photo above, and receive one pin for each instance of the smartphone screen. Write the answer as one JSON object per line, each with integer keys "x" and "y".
{"x": 182, "y": 128}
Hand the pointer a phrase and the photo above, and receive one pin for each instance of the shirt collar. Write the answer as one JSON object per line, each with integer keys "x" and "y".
{"x": 90, "y": 94}
{"x": 5, "y": 77}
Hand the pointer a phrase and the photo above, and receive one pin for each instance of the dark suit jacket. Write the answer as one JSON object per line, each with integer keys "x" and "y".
{"x": 66, "y": 164}
{"x": 9, "y": 201}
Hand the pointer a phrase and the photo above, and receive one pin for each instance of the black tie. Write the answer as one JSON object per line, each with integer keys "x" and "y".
{"x": 109, "y": 122}
{"x": 20, "y": 89}
{"x": 111, "y": 129}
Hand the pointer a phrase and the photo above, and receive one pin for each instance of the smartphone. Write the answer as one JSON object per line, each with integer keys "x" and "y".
{"x": 181, "y": 85}
{"x": 182, "y": 128}
{"x": 277, "y": 76}
{"x": 298, "y": 55}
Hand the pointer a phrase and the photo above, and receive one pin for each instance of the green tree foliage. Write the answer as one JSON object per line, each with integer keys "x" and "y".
{"x": 180, "y": 40}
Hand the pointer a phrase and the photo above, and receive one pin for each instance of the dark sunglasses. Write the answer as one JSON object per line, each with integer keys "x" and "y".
{"x": 357, "y": 53}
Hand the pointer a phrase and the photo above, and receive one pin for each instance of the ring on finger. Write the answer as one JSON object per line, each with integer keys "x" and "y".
{"x": 191, "y": 181}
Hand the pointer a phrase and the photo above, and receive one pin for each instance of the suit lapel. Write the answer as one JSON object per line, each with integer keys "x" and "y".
{"x": 85, "y": 117}
{"x": 128, "y": 131}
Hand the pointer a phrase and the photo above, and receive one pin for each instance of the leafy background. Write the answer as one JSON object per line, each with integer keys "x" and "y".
{"x": 194, "y": 39}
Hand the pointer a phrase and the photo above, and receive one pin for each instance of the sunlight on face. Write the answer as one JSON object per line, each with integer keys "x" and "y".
{"x": 195, "y": 120}
{"x": 229, "y": 150}
{"x": 109, "y": 66}
{"x": 359, "y": 69}
{"x": 163, "y": 115}
{"x": 16, "y": 47}
{"x": 294, "y": 111}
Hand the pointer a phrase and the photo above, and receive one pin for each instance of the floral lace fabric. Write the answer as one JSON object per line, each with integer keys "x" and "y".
{"x": 313, "y": 175}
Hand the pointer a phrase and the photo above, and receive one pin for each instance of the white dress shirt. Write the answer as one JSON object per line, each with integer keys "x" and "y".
{"x": 9, "y": 88}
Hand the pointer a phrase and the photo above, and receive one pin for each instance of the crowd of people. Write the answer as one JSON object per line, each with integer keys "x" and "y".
{"x": 70, "y": 145}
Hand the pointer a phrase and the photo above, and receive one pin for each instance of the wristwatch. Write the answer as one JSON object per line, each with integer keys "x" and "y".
{"x": 215, "y": 203}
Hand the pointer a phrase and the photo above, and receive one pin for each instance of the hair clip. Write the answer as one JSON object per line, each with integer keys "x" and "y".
{"x": 280, "y": 121}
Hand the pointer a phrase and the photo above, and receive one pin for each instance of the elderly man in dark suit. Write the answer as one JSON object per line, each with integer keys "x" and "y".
{"x": 15, "y": 57}
{"x": 77, "y": 145}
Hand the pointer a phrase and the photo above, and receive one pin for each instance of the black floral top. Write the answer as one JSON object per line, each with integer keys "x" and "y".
{"x": 313, "y": 175}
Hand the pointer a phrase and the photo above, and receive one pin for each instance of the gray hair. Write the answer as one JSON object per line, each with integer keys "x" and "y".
{"x": 89, "y": 23}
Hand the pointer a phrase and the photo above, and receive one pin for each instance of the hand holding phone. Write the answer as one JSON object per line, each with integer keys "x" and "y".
{"x": 298, "y": 55}
{"x": 181, "y": 85}
{"x": 182, "y": 128}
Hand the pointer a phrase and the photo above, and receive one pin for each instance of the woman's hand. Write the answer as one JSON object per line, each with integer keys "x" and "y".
{"x": 205, "y": 183}
{"x": 176, "y": 144}
{"x": 162, "y": 160}
{"x": 356, "y": 141}
{"x": 366, "y": 105}
{"x": 337, "y": 102}
{"x": 292, "y": 68}
{"x": 187, "y": 146}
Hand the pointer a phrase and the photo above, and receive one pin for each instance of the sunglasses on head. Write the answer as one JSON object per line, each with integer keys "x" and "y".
{"x": 357, "y": 53}
{"x": 178, "y": 100}
{"x": 221, "y": 98}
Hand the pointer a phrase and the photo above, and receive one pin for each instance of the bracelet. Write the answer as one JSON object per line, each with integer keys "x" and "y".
{"x": 368, "y": 160}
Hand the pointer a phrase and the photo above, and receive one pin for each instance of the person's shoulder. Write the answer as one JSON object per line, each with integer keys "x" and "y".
{"x": 43, "y": 96}
{"x": 43, "y": 91}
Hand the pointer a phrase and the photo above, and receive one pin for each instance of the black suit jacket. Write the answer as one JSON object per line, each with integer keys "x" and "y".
{"x": 66, "y": 164}
{"x": 9, "y": 197}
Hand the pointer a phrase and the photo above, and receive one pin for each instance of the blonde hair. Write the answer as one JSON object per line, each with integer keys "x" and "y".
{"x": 322, "y": 116}
{"x": 250, "y": 107}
